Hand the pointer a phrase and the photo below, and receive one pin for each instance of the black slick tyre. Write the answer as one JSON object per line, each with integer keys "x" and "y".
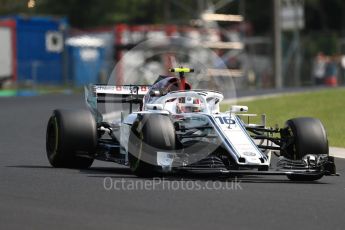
{"x": 71, "y": 139}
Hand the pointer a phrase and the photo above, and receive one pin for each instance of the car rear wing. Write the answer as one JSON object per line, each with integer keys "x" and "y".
{"x": 120, "y": 93}
{"x": 127, "y": 94}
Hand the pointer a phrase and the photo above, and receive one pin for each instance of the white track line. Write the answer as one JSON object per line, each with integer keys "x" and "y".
{"x": 337, "y": 152}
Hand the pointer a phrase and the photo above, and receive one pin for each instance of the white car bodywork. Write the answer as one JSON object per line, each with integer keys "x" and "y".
{"x": 228, "y": 126}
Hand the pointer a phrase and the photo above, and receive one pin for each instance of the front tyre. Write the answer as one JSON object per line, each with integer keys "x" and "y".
{"x": 150, "y": 134}
{"x": 308, "y": 137}
{"x": 305, "y": 135}
{"x": 70, "y": 134}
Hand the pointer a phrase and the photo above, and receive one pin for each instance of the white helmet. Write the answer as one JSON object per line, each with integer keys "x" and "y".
{"x": 188, "y": 105}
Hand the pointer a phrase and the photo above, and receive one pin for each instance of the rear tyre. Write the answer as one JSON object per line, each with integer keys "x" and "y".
{"x": 71, "y": 133}
{"x": 150, "y": 134}
{"x": 308, "y": 136}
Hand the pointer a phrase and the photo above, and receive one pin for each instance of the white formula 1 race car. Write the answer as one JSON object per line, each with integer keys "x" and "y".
{"x": 177, "y": 129}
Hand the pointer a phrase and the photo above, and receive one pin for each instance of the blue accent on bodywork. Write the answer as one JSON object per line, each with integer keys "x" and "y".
{"x": 229, "y": 144}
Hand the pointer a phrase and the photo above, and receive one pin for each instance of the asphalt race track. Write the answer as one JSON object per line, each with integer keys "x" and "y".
{"x": 35, "y": 196}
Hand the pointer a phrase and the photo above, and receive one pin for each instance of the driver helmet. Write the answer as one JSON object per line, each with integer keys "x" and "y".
{"x": 188, "y": 105}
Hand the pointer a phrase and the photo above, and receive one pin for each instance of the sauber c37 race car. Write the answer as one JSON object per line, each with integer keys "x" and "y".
{"x": 177, "y": 129}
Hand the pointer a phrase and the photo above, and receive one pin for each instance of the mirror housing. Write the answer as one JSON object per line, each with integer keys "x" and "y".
{"x": 238, "y": 108}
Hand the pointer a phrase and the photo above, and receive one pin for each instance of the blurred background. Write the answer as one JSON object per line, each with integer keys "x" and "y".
{"x": 262, "y": 44}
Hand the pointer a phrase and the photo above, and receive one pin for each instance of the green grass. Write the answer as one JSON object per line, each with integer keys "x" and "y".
{"x": 326, "y": 105}
{"x": 7, "y": 93}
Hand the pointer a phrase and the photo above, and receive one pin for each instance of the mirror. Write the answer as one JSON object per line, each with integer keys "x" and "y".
{"x": 238, "y": 108}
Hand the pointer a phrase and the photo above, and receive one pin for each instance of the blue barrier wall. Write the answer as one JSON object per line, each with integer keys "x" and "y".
{"x": 39, "y": 44}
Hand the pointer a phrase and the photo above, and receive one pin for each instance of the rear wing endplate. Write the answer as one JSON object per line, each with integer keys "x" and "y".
{"x": 131, "y": 94}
